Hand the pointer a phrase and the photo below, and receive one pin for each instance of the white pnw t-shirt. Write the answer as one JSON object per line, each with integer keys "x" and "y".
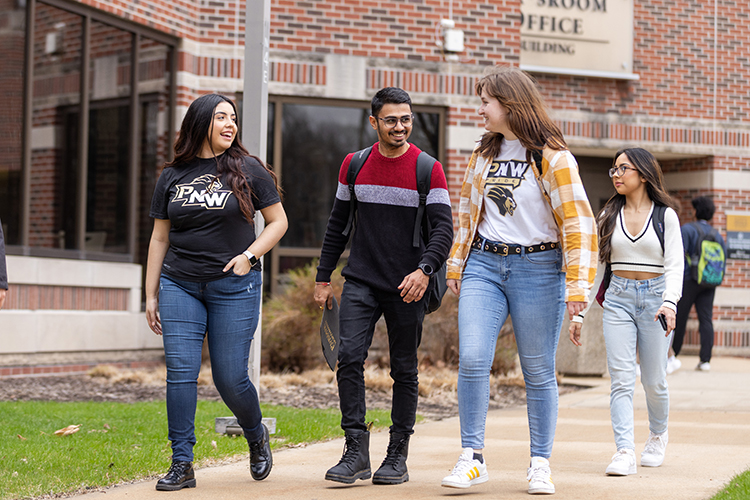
{"x": 515, "y": 211}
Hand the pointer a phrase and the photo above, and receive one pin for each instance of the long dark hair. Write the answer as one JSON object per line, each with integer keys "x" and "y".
{"x": 648, "y": 168}
{"x": 527, "y": 113}
{"x": 196, "y": 127}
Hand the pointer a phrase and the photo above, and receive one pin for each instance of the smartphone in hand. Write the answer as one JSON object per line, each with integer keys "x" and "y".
{"x": 663, "y": 321}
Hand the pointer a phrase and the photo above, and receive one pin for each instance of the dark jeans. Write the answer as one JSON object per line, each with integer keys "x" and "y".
{"x": 361, "y": 307}
{"x": 226, "y": 311}
{"x": 703, "y": 298}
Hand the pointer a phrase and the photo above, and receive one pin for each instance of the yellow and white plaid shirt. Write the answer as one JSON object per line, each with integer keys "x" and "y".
{"x": 562, "y": 188}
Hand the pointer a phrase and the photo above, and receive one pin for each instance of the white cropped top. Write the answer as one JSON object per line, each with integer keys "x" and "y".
{"x": 642, "y": 252}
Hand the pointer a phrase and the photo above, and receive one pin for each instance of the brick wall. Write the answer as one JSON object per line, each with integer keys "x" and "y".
{"x": 693, "y": 94}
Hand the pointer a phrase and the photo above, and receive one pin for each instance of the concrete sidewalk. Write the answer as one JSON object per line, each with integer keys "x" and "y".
{"x": 709, "y": 442}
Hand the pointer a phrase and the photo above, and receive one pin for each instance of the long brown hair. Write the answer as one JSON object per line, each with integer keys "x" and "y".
{"x": 196, "y": 127}
{"x": 648, "y": 168}
{"x": 527, "y": 113}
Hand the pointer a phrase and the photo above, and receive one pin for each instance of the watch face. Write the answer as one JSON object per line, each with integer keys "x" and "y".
{"x": 427, "y": 269}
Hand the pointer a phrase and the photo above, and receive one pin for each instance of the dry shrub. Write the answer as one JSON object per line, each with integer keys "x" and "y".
{"x": 103, "y": 371}
{"x": 291, "y": 323}
{"x": 310, "y": 378}
{"x": 439, "y": 347}
{"x": 145, "y": 376}
{"x": 291, "y": 331}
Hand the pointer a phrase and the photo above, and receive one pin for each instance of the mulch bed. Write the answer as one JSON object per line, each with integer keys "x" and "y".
{"x": 87, "y": 388}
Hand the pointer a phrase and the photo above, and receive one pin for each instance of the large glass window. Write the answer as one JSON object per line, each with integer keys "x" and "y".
{"x": 12, "y": 40}
{"x": 94, "y": 142}
{"x": 56, "y": 87}
{"x": 313, "y": 138}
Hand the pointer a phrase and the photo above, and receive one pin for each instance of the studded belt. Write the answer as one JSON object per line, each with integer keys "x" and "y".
{"x": 502, "y": 249}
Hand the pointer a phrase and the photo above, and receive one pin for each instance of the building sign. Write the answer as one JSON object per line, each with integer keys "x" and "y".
{"x": 738, "y": 236}
{"x": 579, "y": 37}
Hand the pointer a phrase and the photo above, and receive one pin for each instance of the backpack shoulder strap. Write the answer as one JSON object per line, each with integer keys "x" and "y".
{"x": 425, "y": 163}
{"x": 355, "y": 165}
{"x": 537, "y": 155}
{"x": 657, "y": 220}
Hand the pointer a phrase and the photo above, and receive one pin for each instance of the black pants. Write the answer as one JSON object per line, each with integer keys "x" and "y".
{"x": 703, "y": 298}
{"x": 361, "y": 308}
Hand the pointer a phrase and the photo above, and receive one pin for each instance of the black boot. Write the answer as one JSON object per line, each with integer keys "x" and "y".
{"x": 393, "y": 470}
{"x": 261, "y": 460}
{"x": 180, "y": 476}
{"x": 355, "y": 462}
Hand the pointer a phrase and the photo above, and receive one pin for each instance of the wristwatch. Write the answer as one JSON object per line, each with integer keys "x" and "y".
{"x": 252, "y": 258}
{"x": 426, "y": 269}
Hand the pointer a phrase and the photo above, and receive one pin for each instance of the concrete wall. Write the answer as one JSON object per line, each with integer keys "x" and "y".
{"x": 70, "y": 330}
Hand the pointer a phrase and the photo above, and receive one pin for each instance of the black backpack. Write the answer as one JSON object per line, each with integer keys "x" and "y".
{"x": 425, "y": 162}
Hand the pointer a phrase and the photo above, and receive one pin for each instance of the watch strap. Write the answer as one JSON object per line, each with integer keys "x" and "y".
{"x": 250, "y": 257}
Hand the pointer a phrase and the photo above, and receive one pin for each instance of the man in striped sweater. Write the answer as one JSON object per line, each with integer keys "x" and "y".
{"x": 385, "y": 275}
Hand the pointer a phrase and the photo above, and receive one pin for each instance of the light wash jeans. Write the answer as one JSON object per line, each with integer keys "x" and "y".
{"x": 226, "y": 311}
{"x": 531, "y": 288}
{"x": 629, "y": 310}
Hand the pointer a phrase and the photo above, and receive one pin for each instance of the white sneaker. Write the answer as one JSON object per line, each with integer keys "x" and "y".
{"x": 467, "y": 472}
{"x": 623, "y": 463}
{"x": 673, "y": 364}
{"x": 703, "y": 367}
{"x": 538, "y": 475}
{"x": 656, "y": 446}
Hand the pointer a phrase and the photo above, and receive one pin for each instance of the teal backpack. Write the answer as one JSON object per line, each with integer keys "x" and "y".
{"x": 707, "y": 262}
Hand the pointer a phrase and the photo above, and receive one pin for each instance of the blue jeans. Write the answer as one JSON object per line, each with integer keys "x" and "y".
{"x": 531, "y": 288}
{"x": 361, "y": 308}
{"x": 226, "y": 311}
{"x": 629, "y": 310}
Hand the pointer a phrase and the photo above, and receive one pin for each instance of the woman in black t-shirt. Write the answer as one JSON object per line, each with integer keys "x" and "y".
{"x": 203, "y": 278}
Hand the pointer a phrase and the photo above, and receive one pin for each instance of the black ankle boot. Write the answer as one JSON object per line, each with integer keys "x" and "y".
{"x": 355, "y": 462}
{"x": 261, "y": 460}
{"x": 180, "y": 476}
{"x": 393, "y": 469}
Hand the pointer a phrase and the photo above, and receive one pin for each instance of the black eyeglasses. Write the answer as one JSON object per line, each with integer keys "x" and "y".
{"x": 391, "y": 121}
{"x": 620, "y": 171}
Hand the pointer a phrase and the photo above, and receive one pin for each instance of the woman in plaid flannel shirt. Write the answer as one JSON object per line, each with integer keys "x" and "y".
{"x": 526, "y": 246}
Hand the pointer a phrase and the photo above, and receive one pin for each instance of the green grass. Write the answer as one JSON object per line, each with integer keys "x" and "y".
{"x": 737, "y": 489}
{"x": 120, "y": 442}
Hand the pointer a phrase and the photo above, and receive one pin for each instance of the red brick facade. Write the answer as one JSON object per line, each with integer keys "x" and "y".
{"x": 692, "y": 96}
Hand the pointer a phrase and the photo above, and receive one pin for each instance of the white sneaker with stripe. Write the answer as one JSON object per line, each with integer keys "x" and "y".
{"x": 467, "y": 472}
{"x": 539, "y": 476}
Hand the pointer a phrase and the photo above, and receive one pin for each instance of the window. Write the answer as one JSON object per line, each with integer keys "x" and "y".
{"x": 88, "y": 152}
{"x": 311, "y": 139}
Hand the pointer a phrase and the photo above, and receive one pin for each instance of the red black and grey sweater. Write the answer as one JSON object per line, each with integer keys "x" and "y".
{"x": 381, "y": 253}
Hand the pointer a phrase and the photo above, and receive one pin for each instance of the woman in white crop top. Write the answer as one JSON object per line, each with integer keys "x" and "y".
{"x": 646, "y": 283}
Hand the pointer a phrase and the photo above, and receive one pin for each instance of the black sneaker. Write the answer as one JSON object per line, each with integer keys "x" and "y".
{"x": 180, "y": 475}
{"x": 261, "y": 459}
{"x": 355, "y": 462}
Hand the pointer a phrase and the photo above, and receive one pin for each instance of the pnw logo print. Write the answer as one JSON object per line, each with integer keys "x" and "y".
{"x": 204, "y": 191}
{"x": 502, "y": 179}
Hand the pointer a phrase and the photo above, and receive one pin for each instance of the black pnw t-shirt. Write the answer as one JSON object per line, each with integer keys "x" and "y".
{"x": 208, "y": 228}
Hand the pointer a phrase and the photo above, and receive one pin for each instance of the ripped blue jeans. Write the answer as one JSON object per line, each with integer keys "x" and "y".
{"x": 226, "y": 312}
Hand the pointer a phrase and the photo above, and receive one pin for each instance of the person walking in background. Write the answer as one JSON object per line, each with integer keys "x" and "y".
{"x": 386, "y": 275}
{"x": 526, "y": 246}
{"x": 692, "y": 291}
{"x": 3, "y": 271}
{"x": 203, "y": 278}
{"x": 645, "y": 283}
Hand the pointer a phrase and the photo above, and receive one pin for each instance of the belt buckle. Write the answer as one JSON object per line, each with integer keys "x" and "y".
{"x": 504, "y": 249}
